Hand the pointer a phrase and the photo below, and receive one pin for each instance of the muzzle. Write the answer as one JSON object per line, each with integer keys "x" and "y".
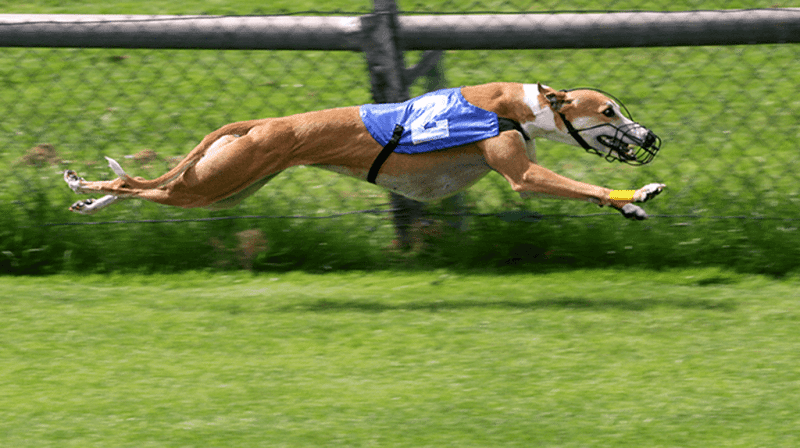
{"x": 630, "y": 143}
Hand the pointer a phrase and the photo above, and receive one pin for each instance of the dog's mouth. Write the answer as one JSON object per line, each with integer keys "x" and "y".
{"x": 631, "y": 144}
{"x": 624, "y": 150}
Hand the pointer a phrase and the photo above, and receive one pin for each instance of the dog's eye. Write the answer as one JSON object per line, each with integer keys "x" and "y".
{"x": 609, "y": 112}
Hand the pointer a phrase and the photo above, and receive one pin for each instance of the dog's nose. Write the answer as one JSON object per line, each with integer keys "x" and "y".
{"x": 649, "y": 139}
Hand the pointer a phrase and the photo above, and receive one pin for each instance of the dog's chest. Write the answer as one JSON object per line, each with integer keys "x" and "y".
{"x": 426, "y": 177}
{"x": 435, "y": 121}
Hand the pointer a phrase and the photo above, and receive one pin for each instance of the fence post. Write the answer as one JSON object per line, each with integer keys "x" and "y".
{"x": 389, "y": 83}
{"x": 454, "y": 205}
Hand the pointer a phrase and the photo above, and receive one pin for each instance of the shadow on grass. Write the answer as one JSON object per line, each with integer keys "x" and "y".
{"x": 568, "y": 303}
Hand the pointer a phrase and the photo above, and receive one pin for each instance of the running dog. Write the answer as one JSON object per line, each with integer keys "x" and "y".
{"x": 427, "y": 148}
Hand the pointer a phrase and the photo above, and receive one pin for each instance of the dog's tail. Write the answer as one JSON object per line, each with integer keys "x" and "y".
{"x": 237, "y": 129}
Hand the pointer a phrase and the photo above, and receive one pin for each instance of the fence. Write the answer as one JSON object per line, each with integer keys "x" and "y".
{"x": 416, "y": 32}
{"x": 728, "y": 116}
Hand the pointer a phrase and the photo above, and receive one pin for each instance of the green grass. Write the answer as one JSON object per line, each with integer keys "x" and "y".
{"x": 690, "y": 358}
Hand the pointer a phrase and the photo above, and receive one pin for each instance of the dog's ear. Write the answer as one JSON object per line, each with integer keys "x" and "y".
{"x": 557, "y": 99}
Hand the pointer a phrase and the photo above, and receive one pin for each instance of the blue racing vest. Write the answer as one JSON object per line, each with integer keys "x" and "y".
{"x": 434, "y": 121}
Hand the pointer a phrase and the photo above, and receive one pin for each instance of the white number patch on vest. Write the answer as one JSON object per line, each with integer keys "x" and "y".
{"x": 425, "y": 126}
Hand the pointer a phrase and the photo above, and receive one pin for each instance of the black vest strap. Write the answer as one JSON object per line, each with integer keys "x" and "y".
{"x": 384, "y": 154}
{"x": 507, "y": 124}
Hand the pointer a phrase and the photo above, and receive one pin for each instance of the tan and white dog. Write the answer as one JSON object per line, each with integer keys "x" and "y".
{"x": 233, "y": 162}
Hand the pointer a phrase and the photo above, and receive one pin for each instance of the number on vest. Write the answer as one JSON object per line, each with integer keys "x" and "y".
{"x": 428, "y": 121}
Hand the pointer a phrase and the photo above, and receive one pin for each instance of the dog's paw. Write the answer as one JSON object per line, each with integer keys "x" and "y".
{"x": 83, "y": 207}
{"x": 631, "y": 211}
{"x": 91, "y": 206}
{"x": 648, "y": 192}
{"x": 72, "y": 179}
{"x": 74, "y": 182}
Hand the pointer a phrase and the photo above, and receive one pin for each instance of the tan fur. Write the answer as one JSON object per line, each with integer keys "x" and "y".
{"x": 232, "y": 162}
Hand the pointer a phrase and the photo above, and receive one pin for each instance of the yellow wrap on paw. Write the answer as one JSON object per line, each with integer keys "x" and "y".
{"x": 622, "y": 195}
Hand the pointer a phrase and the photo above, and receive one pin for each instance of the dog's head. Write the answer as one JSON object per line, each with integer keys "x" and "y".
{"x": 601, "y": 124}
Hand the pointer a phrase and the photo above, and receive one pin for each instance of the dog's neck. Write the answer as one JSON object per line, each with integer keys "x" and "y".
{"x": 544, "y": 123}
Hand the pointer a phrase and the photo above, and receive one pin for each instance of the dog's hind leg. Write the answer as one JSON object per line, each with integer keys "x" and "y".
{"x": 223, "y": 170}
{"x": 121, "y": 187}
{"x": 237, "y": 198}
{"x": 232, "y": 171}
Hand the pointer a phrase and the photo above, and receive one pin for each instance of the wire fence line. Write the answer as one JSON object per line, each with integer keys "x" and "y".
{"x": 727, "y": 115}
{"x": 712, "y": 104}
{"x": 504, "y": 215}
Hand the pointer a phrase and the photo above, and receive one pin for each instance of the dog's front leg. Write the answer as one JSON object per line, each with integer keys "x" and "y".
{"x": 506, "y": 154}
{"x": 541, "y": 182}
{"x": 644, "y": 194}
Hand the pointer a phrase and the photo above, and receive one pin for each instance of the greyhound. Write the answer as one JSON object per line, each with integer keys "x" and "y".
{"x": 427, "y": 148}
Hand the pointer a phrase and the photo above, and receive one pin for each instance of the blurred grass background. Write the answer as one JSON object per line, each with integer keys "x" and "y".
{"x": 727, "y": 115}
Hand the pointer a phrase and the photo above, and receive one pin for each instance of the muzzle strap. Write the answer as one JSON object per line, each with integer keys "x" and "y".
{"x": 574, "y": 134}
{"x": 384, "y": 154}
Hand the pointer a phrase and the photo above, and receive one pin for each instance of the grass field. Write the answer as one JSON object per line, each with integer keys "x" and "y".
{"x": 690, "y": 358}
